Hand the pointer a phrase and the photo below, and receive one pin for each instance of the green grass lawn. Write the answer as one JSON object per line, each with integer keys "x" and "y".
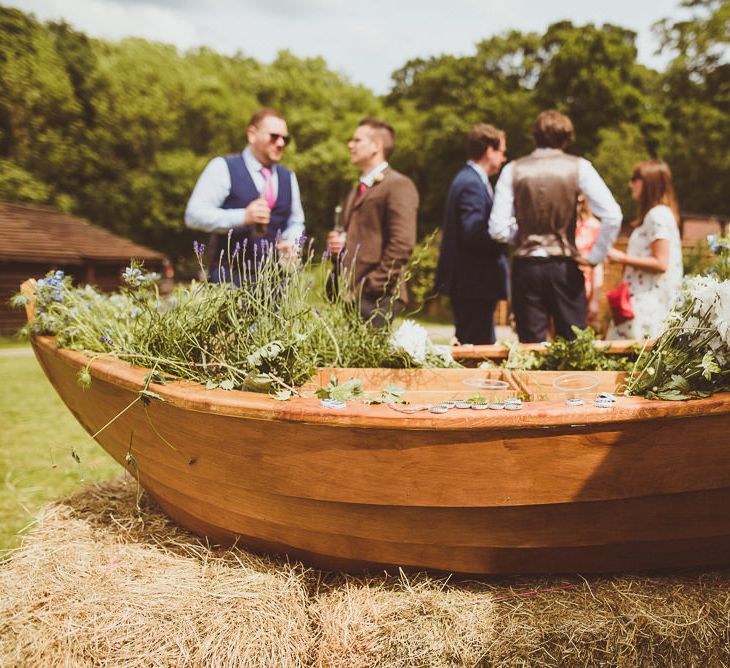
{"x": 12, "y": 342}
{"x": 39, "y": 438}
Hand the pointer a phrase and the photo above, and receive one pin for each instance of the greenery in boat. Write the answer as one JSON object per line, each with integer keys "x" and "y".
{"x": 269, "y": 334}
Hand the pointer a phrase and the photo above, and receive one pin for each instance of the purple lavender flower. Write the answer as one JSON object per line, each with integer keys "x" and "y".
{"x": 106, "y": 339}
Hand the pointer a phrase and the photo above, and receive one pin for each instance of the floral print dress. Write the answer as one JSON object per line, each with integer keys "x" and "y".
{"x": 651, "y": 293}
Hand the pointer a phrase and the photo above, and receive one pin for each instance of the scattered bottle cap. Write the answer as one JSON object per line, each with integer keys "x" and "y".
{"x": 604, "y": 403}
{"x": 574, "y": 402}
{"x": 496, "y": 406}
{"x": 462, "y": 404}
{"x": 513, "y": 407}
{"x": 438, "y": 409}
{"x": 479, "y": 407}
{"x": 332, "y": 403}
{"x": 607, "y": 396}
{"x": 512, "y": 400}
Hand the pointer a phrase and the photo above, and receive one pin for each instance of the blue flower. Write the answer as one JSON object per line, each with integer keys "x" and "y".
{"x": 132, "y": 276}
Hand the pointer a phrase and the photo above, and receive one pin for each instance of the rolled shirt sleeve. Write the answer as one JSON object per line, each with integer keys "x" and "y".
{"x": 604, "y": 207}
{"x": 204, "y": 211}
{"x": 502, "y": 224}
{"x": 295, "y": 225}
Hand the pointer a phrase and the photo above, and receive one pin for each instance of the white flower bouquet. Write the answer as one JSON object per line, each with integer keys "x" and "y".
{"x": 411, "y": 339}
{"x": 691, "y": 357}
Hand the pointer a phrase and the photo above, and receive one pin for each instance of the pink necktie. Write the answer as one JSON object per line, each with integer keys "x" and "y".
{"x": 268, "y": 193}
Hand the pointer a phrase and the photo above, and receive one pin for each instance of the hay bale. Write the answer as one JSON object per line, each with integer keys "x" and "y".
{"x": 423, "y": 622}
{"x": 621, "y": 620}
{"x": 90, "y": 586}
{"x": 99, "y": 582}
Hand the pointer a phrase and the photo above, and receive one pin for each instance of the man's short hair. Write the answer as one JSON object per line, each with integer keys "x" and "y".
{"x": 264, "y": 113}
{"x": 383, "y": 131}
{"x": 480, "y": 137}
{"x": 552, "y": 129}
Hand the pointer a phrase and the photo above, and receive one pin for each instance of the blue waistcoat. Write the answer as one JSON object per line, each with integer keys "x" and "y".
{"x": 243, "y": 192}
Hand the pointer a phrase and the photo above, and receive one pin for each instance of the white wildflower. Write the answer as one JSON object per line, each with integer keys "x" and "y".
{"x": 443, "y": 352}
{"x": 691, "y": 324}
{"x": 412, "y": 339}
{"x": 703, "y": 290}
{"x": 722, "y": 311}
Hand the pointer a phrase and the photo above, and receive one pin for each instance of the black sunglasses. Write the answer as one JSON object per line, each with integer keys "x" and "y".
{"x": 274, "y": 137}
{"x": 635, "y": 177}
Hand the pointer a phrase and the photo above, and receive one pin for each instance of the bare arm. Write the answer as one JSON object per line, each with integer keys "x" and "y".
{"x": 656, "y": 263}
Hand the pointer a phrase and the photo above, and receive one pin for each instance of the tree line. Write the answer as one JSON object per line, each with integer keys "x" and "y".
{"x": 118, "y": 132}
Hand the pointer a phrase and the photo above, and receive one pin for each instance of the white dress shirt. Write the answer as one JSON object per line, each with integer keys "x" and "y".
{"x": 369, "y": 178}
{"x": 482, "y": 175}
{"x": 204, "y": 211}
{"x": 503, "y": 226}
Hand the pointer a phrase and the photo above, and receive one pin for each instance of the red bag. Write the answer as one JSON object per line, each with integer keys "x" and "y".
{"x": 619, "y": 299}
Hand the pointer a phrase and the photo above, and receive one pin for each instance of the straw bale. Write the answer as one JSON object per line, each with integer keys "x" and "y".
{"x": 423, "y": 622}
{"x": 82, "y": 593}
{"x": 102, "y": 582}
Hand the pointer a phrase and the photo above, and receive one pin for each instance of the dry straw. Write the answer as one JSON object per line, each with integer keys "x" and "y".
{"x": 99, "y": 583}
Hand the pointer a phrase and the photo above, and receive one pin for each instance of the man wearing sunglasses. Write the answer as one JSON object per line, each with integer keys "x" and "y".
{"x": 249, "y": 193}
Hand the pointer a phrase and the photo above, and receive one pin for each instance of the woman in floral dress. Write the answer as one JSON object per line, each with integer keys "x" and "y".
{"x": 653, "y": 260}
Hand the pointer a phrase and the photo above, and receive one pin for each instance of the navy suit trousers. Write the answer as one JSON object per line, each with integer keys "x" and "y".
{"x": 474, "y": 320}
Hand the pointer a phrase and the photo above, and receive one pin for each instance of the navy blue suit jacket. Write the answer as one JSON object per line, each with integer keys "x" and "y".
{"x": 471, "y": 264}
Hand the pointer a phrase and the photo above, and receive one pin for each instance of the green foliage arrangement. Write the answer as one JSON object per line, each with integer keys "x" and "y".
{"x": 691, "y": 357}
{"x": 584, "y": 353}
{"x": 269, "y": 334}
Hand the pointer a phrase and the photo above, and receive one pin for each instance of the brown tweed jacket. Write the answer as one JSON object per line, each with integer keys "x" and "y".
{"x": 381, "y": 234}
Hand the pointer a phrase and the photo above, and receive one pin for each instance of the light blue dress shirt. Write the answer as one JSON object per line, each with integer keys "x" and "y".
{"x": 204, "y": 211}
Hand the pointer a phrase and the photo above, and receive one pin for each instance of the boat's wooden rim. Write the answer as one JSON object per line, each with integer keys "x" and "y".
{"x": 534, "y": 415}
{"x": 497, "y": 351}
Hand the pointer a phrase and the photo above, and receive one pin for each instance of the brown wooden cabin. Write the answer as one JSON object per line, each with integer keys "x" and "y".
{"x": 34, "y": 240}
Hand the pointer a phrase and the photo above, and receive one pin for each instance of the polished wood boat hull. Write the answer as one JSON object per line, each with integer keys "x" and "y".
{"x": 642, "y": 485}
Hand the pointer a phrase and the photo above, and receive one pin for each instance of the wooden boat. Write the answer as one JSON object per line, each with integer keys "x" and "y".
{"x": 548, "y": 488}
{"x": 544, "y": 489}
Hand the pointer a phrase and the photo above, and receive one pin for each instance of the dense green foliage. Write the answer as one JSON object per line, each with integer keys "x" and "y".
{"x": 118, "y": 132}
{"x": 270, "y": 334}
{"x": 583, "y": 353}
